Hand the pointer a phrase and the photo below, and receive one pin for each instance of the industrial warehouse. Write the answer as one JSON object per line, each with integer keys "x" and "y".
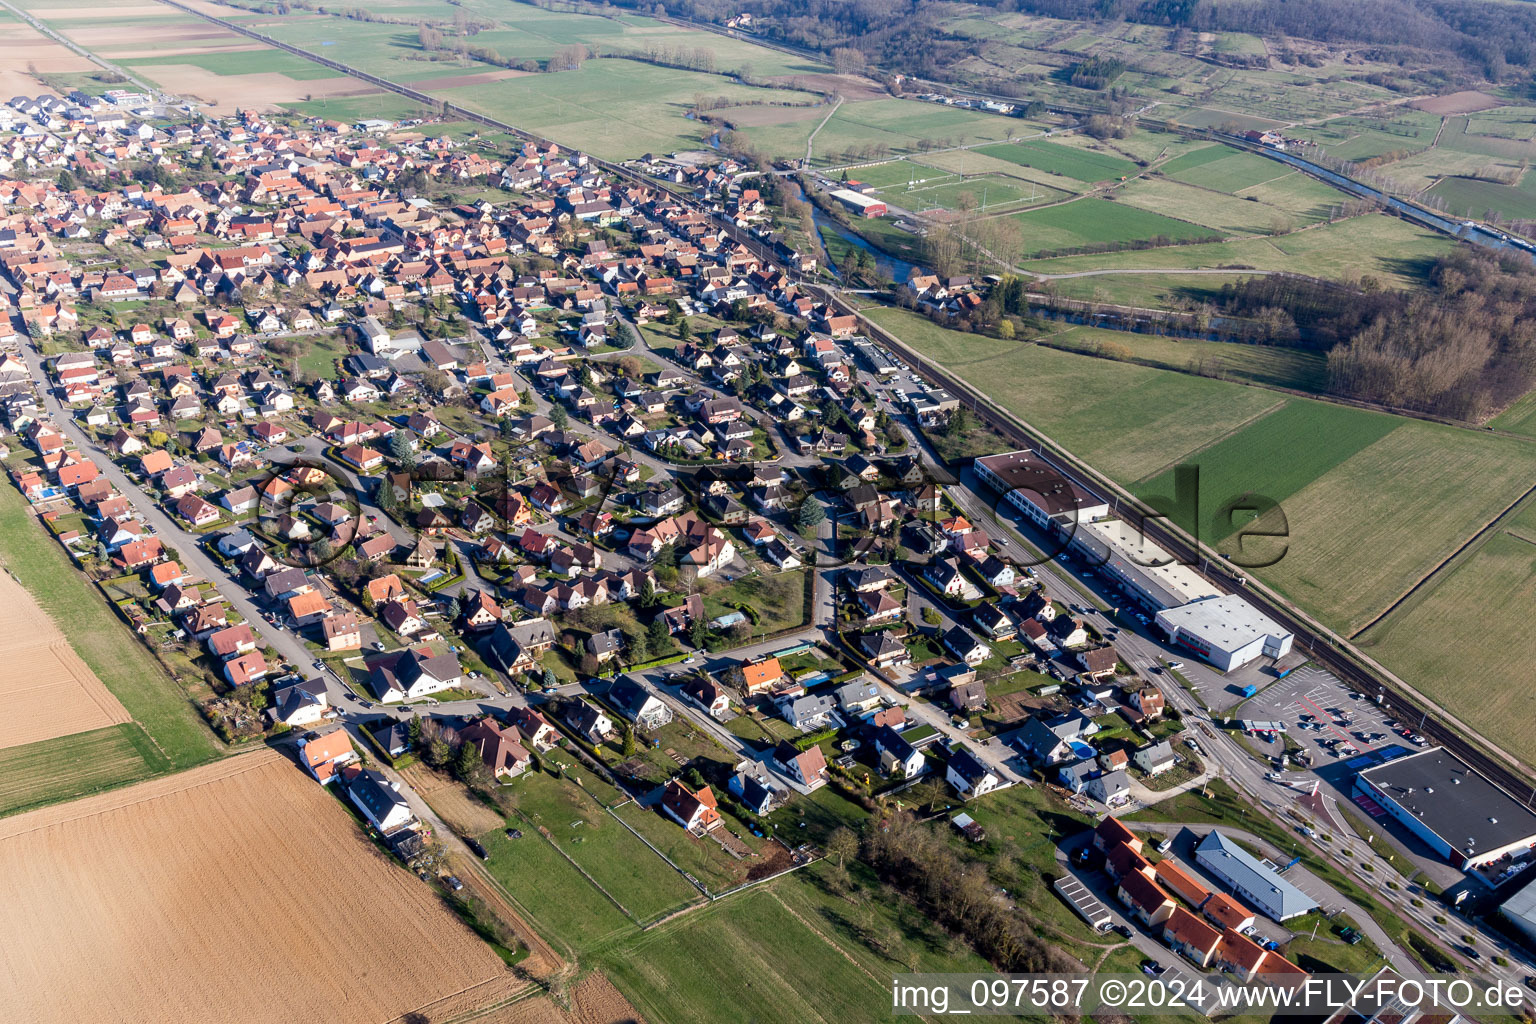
{"x": 1460, "y": 814}
{"x": 1257, "y": 881}
{"x": 1226, "y": 631}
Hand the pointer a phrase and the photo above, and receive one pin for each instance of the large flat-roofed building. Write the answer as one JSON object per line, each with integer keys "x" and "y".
{"x": 1520, "y": 911}
{"x": 857, "y": 202}
{"x": 1040, "y": 490}
{"x": 1226, "y": 631}
{"x": 1257, "y": 881}
{"x": 1458, "y": 813}
{"x": 1147, "y": 573}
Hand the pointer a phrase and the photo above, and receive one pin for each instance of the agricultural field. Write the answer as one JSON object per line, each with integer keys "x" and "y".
{"x": 1273, "y": 457}
{"x": 45, "y": 689}
{"x": 1270, "y": 365}
{"x": 1519, "y": 417}
{"x": 1083, "y": 164}
{"x": 69, "y": 767}
{"x": 1391, "y": 250}
{"x": 1475, "y": 682}
{"x": 1127, "y": 421}
{"x": 101, "y": 640}
{"x": 1472, "y": 197}
{"x": 1373, "y": 502}
{"x": 1366, "y": 138}
{"x": 784, "y": 951}
{"x": 1366, "y": 532}
{"x": 1091, "y": 221}
{"x": 161, "y": 853}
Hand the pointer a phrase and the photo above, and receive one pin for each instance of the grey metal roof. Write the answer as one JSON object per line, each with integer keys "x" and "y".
{"x": 1257, "y": 880}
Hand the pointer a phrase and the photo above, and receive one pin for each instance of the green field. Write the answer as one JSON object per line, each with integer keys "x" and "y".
{"x": 1519, "y": 417}
{"x": 1365, "y": 533}
{"x": 1172, "y": 289}
{"x": 1393, "y": 251}
{"x": 1476, "y": 682}
{"x": 1470, "y": 197}
{"x": 1273, "y": 457}
{"x": 983, "y": 192}
{"x": 563, "y": 905}
{"x": 1232, "y": 172}
{"x": 68, "y": 767}
{"x": 101, "y": 639}
{"x": 1127, "y": 421}
{"x": 1071, "y": 161}
{"x": 901, "y": 125}
{"x": 897, "y": 173}
{"x": 787, "y": 951}
{"x": 1372, "y": 503}
{"x": 1260, "y": 364}
{"x": 243, "y": 62}
{"x": 1226, "y": 214}
{"x": 1089, "y": 221}
{"x": 619, "y": 863}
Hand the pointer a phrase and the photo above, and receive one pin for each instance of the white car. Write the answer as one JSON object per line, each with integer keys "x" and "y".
{"x": 1175, "y": 665}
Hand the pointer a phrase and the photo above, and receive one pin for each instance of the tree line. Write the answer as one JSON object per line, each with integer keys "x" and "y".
{"x": 1463, "y": 348}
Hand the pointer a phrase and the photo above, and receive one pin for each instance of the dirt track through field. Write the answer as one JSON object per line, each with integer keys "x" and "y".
{"x": 237, "y": 892}
{"x": 45, "y": 689}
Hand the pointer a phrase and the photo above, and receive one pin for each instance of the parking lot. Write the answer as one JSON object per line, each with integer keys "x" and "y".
{"x": 1324, "y": 717}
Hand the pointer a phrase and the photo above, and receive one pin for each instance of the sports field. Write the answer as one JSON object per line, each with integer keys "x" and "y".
{"x": 1090, "y": 221}
{"x": 616, "y": 860}
{"x": 1479, "y": 683}
{"x": 126, "y": 906}
{"x": 1071, "y": 161}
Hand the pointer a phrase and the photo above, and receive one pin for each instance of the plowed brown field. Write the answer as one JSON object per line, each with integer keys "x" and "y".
{"x": 236, "y": 892}
{"x": 45, "y": 689}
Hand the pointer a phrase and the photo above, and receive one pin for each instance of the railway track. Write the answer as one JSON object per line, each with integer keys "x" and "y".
{"x": 1325, "y": 650}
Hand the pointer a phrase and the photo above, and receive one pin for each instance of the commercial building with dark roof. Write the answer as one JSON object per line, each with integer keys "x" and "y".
{"x": 1458, "y": 813}
{"x": 1040, "y": 490}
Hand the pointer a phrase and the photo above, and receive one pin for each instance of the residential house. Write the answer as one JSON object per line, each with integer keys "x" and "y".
{"x": 639, "y": 705}
{"x": 500, "y": 748}
{"x": 323, "y": 754}
{"x": 697, "y": 811}
{"x": 969, "y": 776}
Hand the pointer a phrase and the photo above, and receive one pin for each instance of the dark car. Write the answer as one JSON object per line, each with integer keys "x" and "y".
{"x": 1470, "y": 953}
{"x": 476, "y": 848}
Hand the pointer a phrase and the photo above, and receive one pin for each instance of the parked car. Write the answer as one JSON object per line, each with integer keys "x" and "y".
{"x": 1165, "y": 845}
{"x": 453, "y": 883}
{"x": 1175, "y": 665}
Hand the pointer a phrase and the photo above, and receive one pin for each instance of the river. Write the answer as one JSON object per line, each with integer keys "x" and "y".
{"x": 894, "y": 267}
